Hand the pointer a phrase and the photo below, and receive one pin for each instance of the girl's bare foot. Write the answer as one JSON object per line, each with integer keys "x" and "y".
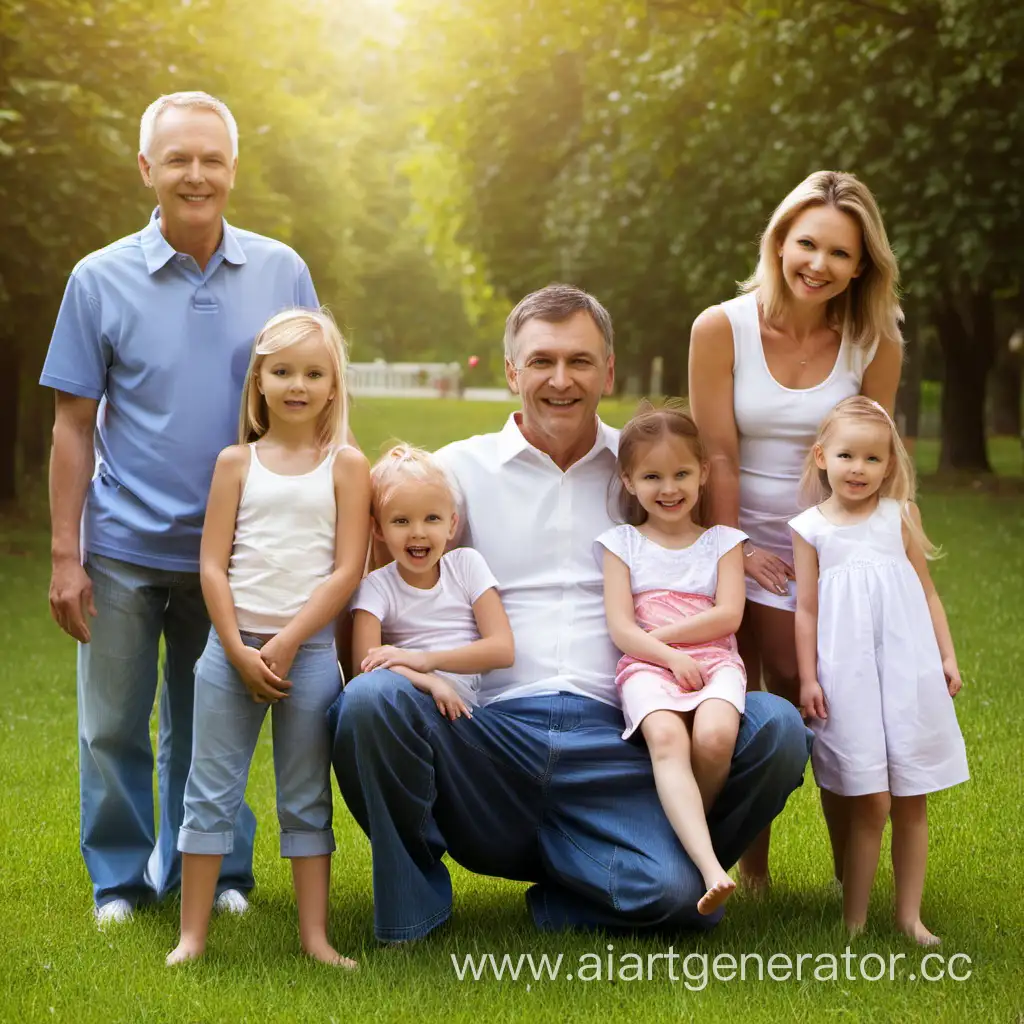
{"x": 755, "y": 885}
{"x": 718, "y": 892}
{"x": 185, "y": 951}
{"x": 324, "y": 952}
{"x": 917, "y": 931}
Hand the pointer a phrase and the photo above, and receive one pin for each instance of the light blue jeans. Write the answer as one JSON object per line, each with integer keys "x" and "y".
{"x": 227, "y": 727}
{"x": 117, "y": 680}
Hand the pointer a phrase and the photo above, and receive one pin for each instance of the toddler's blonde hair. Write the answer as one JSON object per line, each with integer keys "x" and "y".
{"x": 404, "y": 462}
{"x": 900, "y": 482}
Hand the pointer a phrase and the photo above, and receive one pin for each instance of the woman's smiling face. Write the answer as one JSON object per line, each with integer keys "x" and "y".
{"x": 821, "y": 254}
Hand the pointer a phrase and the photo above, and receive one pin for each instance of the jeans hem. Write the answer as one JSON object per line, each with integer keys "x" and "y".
{"x": 307, "y": 844}
{"x": 206, "y": 843}
{"x": 413, "y": 931}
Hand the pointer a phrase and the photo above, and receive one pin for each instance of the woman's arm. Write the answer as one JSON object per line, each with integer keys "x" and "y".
{"x": 882, "y": 376}
{"x": 724, "y": 618}
{"x": 711, "y": 402}
{"x": 935, "y": 608}
{"x": 352, "y": 535}
{"x": 805, "y": 561}
{"x": 214, "y": 557}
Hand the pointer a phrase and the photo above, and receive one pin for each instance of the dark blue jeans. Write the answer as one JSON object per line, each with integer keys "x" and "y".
{"x": 541, "y": 789}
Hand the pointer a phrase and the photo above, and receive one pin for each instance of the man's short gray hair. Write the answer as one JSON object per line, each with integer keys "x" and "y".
{"x": 201, "y": 100}
{"x": 555, "y": 304}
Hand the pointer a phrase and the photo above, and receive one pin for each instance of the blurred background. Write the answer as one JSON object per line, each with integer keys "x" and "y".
{"x": 434, "y": 160}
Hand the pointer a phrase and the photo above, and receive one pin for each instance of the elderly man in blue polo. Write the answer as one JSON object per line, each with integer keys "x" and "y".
{"x": 147, "y": 361}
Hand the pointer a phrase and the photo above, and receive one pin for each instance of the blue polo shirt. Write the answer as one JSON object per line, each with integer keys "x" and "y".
{"x": 164, "y": 347}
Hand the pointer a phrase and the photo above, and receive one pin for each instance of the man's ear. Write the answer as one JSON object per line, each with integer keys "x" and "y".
{"x": 144, "y": 170}
{"x": 512, "y": 377}
{"x": 609, "y": 377}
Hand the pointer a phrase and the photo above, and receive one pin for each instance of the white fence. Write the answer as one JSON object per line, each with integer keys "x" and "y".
{"x": 381, "y": 379}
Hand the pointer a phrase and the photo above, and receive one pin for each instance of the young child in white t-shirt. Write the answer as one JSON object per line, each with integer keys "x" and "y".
{"x": 432, "y": 617}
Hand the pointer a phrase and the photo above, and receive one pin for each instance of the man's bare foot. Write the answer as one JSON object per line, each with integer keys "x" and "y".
{"x": 917, "y": 931}
{"x": 718, "y": 892}
{"x": 327, "y": 954}
{"x": 185, "y": 951}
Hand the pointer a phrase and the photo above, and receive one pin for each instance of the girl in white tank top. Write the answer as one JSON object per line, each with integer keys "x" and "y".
{"x": 284, "y": 545}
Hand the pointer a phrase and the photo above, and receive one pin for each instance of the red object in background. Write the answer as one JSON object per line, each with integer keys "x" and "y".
{"x": 473, "y": 360}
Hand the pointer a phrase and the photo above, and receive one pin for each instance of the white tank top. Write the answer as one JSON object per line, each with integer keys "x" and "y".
{"x": 777, "y": 425}
{"x": 284, "y": 543}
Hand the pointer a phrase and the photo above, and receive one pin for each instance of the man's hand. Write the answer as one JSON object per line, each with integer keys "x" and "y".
{"x": 686, "y": 671}
{"x": 952, "y": 674}
{"x": 71, "y": 598}
{"x": 392, "y": 657}
{"x": 812, "y": 701}
{"x": 264, "y": 686}
{"x": 278, "y": 654}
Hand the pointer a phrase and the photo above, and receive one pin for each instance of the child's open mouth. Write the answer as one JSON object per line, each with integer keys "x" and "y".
{"x": 417, "y": 554}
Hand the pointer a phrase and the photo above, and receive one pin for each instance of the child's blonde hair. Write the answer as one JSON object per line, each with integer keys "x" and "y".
{"x": 869, "y": 309}
{"x": 900, "y": 481}
{"x": 403, "y": 462}
{"x": 281, "y": 332}
{"x": 651, "y": 423}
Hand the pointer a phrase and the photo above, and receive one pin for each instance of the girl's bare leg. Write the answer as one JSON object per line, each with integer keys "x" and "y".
{"x": 669, "y": 744}
{"x": 868, "y": 815}
{"x": 312, "y": 879}
{"x": 909, "y": 860}
{"x": 199, "y": 873}
{"x": 836, "y": 810}
{"x": 713, "y": 739}
{"x": 767, "y": 642}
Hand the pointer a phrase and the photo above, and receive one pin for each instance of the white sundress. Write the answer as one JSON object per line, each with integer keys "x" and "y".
{"x": 891, "y": 724}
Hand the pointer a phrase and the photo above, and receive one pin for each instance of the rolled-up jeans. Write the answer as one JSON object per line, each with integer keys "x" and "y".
{"x": 136, "y": 605}
{"x": 227, "y": 727}
{"x": 541, "y": 789}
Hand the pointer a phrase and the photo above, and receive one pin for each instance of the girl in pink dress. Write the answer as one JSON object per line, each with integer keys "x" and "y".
{"x": 674, "y": 596}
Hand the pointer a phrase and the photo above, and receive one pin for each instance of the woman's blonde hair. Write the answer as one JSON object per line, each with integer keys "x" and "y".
{"x": 403, "y": 462}
{"x": 869, "y": 309}
{"x": 900, "y": 481}
{"x": 281, "y": 332}
{"x": 652, "y": 423}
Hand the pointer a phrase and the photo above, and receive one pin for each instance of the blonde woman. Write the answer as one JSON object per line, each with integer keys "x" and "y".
{"x": 283, "y": 549}
{"x": 817, "y": 322}
{"x": 877, "y": 666}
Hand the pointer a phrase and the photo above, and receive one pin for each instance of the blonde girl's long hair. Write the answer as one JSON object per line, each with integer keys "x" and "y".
{"x": 649, "y": 424}
{"x": 868, "y": 311}
{"x": 280, "y": 332}
{"x": 401, "y": 463}
{"x": 900, "y": 483}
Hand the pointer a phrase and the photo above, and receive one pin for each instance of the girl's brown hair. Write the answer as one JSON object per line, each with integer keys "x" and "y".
{"x": 651, "y": 423}
{"x": 900, "y": 482}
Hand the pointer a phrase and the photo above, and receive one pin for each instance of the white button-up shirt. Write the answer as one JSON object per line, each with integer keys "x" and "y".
{"x": 536, "y": 525}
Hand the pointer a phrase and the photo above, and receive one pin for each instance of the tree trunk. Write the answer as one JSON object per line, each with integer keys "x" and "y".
{"x": 10, "y": 381}
{"x": 908, "y": 397}
{"x": 967, "y": 350}
{"x": 1006, "y": 392}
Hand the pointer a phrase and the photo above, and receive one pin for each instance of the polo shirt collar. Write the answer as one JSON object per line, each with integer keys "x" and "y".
{"x": 158, "y": 251}
{"x": 511, "y": 441}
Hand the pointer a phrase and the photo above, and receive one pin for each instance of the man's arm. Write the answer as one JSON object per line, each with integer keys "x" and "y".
{"x": 72, "y": 461}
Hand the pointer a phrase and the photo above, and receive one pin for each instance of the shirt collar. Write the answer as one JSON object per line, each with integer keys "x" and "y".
{"x": 157, "y": 250}
{"x": 512, "y": 443}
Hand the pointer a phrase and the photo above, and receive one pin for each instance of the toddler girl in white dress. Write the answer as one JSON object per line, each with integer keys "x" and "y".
{"x": 877, "y": 667}
{"x": 674, "y": 596}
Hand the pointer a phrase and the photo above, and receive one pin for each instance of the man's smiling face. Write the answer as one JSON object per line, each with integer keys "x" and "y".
{"x": 561, "y": 371}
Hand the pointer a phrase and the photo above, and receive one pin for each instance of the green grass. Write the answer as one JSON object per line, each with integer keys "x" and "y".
{"x": 56, "y": 967}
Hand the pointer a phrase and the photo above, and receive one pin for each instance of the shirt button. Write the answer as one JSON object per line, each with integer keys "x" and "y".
{"x": 182, "y": 258}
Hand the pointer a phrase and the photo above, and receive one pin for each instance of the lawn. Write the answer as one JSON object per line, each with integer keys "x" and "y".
{"x": 56, "y": 966}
